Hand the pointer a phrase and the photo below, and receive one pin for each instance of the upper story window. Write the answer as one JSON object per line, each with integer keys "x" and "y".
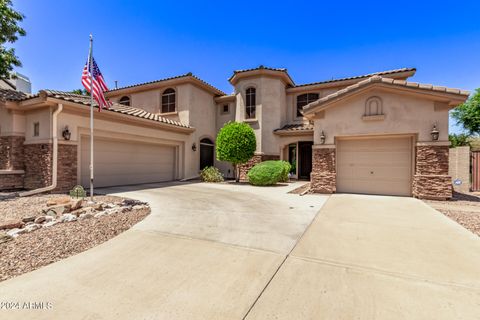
{"x": 250, "y": 103}
{"x": 125, "y": 100}
{"x": 303, "y": 100}
{"x": 168, "y": 100}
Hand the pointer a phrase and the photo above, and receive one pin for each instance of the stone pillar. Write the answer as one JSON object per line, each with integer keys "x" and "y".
{"x": 257, "y": 158}
{"x": 38, "y": 165}
{"x": 431, "y": 179}
{"x": 11, "y": 153}
{"x": 323, "y": 176}
{"x": 11, "y": 162}
{"x": 459, "y": 168}
{"x": 67, "y": 167}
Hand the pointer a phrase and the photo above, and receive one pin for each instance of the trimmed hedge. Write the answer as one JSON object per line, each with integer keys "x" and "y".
{"x": 211, "y": 174}
{"x": 268, "y": 173}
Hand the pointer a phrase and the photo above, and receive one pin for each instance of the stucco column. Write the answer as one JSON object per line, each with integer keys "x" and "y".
{"x": 431, "y": 179}
{"x": 323, "y": 176}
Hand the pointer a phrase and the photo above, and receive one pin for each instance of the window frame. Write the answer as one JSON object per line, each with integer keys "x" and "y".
{"x": 36, "y": 129}
{"x": 307, "y": 101}
{"x": 169, "y": 103}
{"x": 251, "y": 103}
{"x": 225, "y": 111}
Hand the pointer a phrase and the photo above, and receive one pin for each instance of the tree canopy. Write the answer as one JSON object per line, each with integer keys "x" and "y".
{"x": 9, "y": 33}
{"x": 468, "y": 114}
{"x": 236, "y": 143}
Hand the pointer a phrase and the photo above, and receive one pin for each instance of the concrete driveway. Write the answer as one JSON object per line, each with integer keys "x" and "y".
{"x": 211, "y": 251}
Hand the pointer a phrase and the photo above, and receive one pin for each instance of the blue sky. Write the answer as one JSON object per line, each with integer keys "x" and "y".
{"x": 137, "y": 41}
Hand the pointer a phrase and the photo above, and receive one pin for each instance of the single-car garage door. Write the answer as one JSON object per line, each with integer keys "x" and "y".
{"x": 375, "y": 166}
{"x": 118, "y": 162}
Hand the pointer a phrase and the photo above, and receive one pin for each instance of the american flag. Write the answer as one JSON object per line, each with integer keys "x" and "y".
{"x": 99, "y": 85}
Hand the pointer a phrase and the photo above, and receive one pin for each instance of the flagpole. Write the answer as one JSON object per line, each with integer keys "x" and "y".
{"x": 90, "y": 62}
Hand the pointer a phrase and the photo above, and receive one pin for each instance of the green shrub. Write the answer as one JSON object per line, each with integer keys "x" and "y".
{"x": 267, "y": 173}
{"x": 287, "y": 167}
{"x": 211, "y": 174}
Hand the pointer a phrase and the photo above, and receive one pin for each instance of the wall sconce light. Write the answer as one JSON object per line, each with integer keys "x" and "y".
{"x": 66, "y": 134}
{"x": 194, "y": 147}
{"x": 322, "y": 138}
{"x": 435, "y": 133}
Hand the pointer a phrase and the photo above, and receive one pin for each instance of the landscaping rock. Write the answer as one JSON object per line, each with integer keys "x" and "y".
{"x": 100, "y": 214}
{"x": 48, "y": 219}
{"x": 13, "y": 232}
{"x": 59, "y": 200}
{"x": 51, "y": 213}
{"x": 125, "y": 209}
{"x": 76, "y": 204}
{"x": 139, "y": 207}
{"x": 32, "y": 227}
{"x": 11, "y": 224}
{"x": 132, "y": 202}
{"x": 110, "y": 206}
{"x": 5, "y": 238}
{"x": 59, "y": 210}
{"x": 41, "y": 219}
{"x": 68, "y": 218}
{"x": 78, "y": 212}
{"x": 50, "y": 223}
{"x": 28, "y": 219}
{"x": 86, "y": 215}
{"x": 98, "y": 206}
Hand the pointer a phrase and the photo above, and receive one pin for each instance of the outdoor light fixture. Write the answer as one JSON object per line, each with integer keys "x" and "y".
{"x": 194, "y": 147}
{"x": 322, "y": 138}
{"x": 435, "y": 133}
{"x": 66, "y": 134}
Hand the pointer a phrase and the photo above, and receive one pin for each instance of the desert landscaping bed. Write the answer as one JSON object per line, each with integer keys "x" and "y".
{"x": 40, "y": 230}
{"x": 463, "y": 208}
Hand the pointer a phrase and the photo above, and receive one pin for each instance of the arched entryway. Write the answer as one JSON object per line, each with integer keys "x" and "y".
{"x": 206, "y": 153}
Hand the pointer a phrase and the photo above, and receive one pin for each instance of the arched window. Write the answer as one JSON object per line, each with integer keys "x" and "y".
{"x": 168, "y": 100}
{"x": 207, "y": 153}
{"x": 373, "y": 106}
{"x": 250, "y": 103}
{"x": 125, "y": 100}
{"x": 303, "y": 100}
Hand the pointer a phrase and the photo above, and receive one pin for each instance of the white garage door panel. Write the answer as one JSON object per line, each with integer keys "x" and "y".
{"x": 375, "y": 166}
{"x": 123, "y": 163}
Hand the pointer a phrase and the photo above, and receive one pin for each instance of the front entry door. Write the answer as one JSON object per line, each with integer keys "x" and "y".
{"x": 304, "y": 159}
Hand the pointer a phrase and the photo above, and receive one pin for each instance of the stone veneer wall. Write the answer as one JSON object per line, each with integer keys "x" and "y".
{"x": 11, "y": 181}
{"x": 244, "y": 168}
{"x": 38, "y": 165}
{"x": 67, "y": 167}
{"x": 323, "y": 176}
{"x": 11, "y": 153}
{"x": 431, "y": 179}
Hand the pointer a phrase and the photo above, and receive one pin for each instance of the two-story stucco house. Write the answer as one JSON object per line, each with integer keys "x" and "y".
{"x": 376, "y": 134}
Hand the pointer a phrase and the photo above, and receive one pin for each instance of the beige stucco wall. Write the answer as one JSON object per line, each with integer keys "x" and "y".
{"x": 270, "y": 110}
{"x": 459, "y": 168}
{"x": 404, "y": 114}
{"x": 44, "y": 118}
{"x": 12, "y": 123}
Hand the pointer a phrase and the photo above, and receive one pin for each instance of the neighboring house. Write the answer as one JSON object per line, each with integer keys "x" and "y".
{"x": 17, "y": 82}
{"x": 368, "y": 134}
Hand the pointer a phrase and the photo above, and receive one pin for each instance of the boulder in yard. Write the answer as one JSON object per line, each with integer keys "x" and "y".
{"x": 50, "y": 223}
{"x": 28, "y": 219}
{"x": 58, "y": 210}
{"x": 76, "y": 204}
{"x": 32, "y": 227}
{"x": 100, "y": 214}
{"x": 16, "y": 232}
{"x": 11, "y": 224}
{"x": 41, "y": 219}
{"x": 5, "y": 238}
{"x": 57, "y": 201}
{"x": 86, "y": 215}
{"x": 67, "y": 217}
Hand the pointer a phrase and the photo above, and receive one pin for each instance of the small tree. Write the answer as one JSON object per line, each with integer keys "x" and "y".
{"x": 459, "y": 140}
{"x": 236, "y": 144}
{"x": 9, "y": 33}
{"x": 468, "y": 114}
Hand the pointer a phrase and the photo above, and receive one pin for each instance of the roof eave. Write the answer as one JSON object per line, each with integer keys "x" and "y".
{"x": 293, "y": 132}
{"x": 262, "y": 72}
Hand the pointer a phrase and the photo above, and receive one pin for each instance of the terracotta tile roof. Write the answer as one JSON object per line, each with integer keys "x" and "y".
{"x": 381, "y": 73}
{"x": 118, "y": 108}
{"x": 387, "y": 81}
{"x": 12, "y": 95}
{"x": 296, "y": 127}
{"x": 186, "y": 75}
{"x": 262, "y": 67}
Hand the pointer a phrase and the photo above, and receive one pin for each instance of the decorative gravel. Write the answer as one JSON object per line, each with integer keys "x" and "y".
{"x": 463, "y": 208}
{"x": 32, "y": 250}
{"x": 17, "y": 208}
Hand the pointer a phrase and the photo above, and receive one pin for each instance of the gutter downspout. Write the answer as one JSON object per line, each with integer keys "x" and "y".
{"x": 55, "y": 157}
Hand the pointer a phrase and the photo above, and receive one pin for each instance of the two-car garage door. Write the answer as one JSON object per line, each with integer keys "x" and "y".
{"x": 119, "y": 162}
{"x": 375, "y": 166}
